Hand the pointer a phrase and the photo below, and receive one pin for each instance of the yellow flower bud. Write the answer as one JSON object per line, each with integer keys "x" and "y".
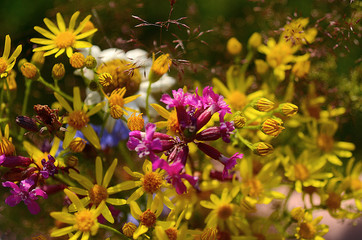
{"x": 135, "y": 122}
{"x": 58, "y": 71}
{"x": 297, "y": 213}
{"x": 30, "y": 71}
{"x": 128, "y": 229}
{"x": 239, "y": 120}
{"x": 261, "y": 66}
{"x": 264, "y": 105}
{"x": 233, "y": 46}
{"x": 77, "y": 60}
{"x": 90, "y": 62}
{"x": 262, "y": 148}
{"x": 77, "y": 144}
{"x": 38, "y": 59}
{"x": 71, "y": 161}
{"x": 272, "y": 127}
{"x": 288, "y": 109}
{"x": 255, "y": 40}
{"x": 87, "y": 27}
{"x": 160, "y": 66}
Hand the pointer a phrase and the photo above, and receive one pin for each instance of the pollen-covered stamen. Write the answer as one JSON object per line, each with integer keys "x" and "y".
{"x": 6, "y": 147}
{"x": 325, "y": 142}
{"x": 78, "y": 119}
{"x": 84, "y": 220}
{"x": 225, "y": 211}
{"x": 301, "y": 172}
{"x": 334, "y": 201}
{"x": 152, "y": 182}
{"x": 97, "y": 194}
{"x": 148, "y": 218}
{"x": 65, "y": 39}
{"x": 171, "y": 233}
{"x": 253, "y": 187}
{"x": 3, "y": 65}
{"x": 307, "y": 230}
{"x": 116, "y": 103}
{"x": 237, "y": 100}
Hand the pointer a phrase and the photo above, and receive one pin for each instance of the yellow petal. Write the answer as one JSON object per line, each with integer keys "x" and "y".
{"x": 63, "y": 217}
{"x": 135, "y": 210}
{"x": 69, "y": 52}
{"x": 82, "y": 44}
{"x": 109, "y": 173}
{"x": 136, "y": 195}
{"x": 127, "y": 185}
{"x": 48, "y": 53}
{"x": 95, "y": 109}
{"x": 16, "y": 53}
{"x": 74, "y": 199}
{"x": 139, "y": 231}
{"x": 62, "y": 231}
{"x": 82, "y": 180}
{"x": 107, "y": 214}
{"x": 82, "y": 25}
{"x": 69, "y": 135}
{"x": 60, "y": 52}
{"x": 45, "y": 48}
{"x": 86, "y": 34}
{"x": 99, "y": 171}
{"x": 73, "y": 19}
{"x": 7, "y": 47}
{"x": 51, "y": 26}
{"x": 77, "y": 103}
{"x": 161, "y": 110}
{"x": 42, "y": 41}
{"x": 220, "y": 87}
{"x": 44, "y": 32}
{"x": 63, "y": 102}
{"x": 79, "y": 191}
{"x": 60, "y": 22}
{"x": 33, "y": 151}
{"x": 116, "y": 201}
{"x": 91, "y": 135}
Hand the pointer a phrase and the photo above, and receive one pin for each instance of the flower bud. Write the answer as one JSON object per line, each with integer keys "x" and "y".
{"x": 77, "y": 60}
{"x": 21, "y": 62}
{"x": 297, "y": 213}
{"x": 255, "y": 40}
{"x": 233, "y": 46}
{"x": 262, "y": 148}
{"x": 90, "y": 62}
{"x": 58, "y": 71}
{"x": 27, "y": 123}
{"x": 261, "y": 66}
{"x": 128, "y": 229}
{"x": 135, "y": 122}
{"x": 239, "y": 120}
{"x": 288, "y": 109}
{"x": 77, "y": 145}
{"x": 272, "y": 127}
{"x": 30, "y": 71}
{"x": 14, "y": 161}
{"x": 264, "y": 105}
{"x": 38, "y": 59}
{"x": 160, "y": 66}
{"x": 71, "y": 161}
{"x": 87, "y": 27}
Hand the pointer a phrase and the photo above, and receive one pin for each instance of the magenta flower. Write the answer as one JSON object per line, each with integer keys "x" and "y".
{"x": 175, "y": 174}
{"x": 25, "y": 192}
{"x": 14, "y": 161}
{"x": 49, "y": 169}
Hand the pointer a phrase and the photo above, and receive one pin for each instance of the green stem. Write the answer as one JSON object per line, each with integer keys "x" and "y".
{"x": 245, "y": 66}
{"x": 246, "y": 142}
{"x": 62, "y": 179}
{"x": 113, "y": 230}
{"x": 1, "y": 101}
{"x": 287, "y": 199}
{"x": 262, "y": 116}
{"x": 28, "y": 83}
{"x": 66, "y": 96}
{"x": 147, "y": 100}
{"x": 252, "y": 127}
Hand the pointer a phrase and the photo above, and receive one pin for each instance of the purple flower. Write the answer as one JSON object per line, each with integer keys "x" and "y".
{"x": 180, "y": 98}
{"x": 175, "y": 175}
{"x": 14, "y": 161}
{"x": 215, "y": 102}
{"x": 144, "y": 143}
{"x": 214, "y": 133}
{"x": 49, "y": 169}
{"x": 226, "y": 128}
{"x": 25, "y": 192}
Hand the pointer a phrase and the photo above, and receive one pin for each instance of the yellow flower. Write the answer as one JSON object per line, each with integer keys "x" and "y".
{"x": 171, "y": 229}
{"x": 151, "y": 182}
{"x": 147, "y": 218}
{"x": 160, "y": 66}
{"x": 171, "y": 123}
{"x": 224, "y": 213}
{"x": 62, "y": 39}
{"x": 6, "y": 145}
{"x": 233, "y": 46}
{"x": 7, "y": 63}
{"x": 116, "y": 103}
{"x": 311, "y": 229}
{"x": 11, "y": 82}
{"x": 295, "y": 34}
{"x": 37, "y": 155}
{"x": 97, "y": 193}
{"x": 78, "y": 119}
{"x": 84, "y": 221}
{"x": 135, "y": 122}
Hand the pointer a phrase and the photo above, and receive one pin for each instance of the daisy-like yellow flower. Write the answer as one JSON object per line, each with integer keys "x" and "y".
{"x": 116, "y": 103}
{"x": 78, "y": 119}
{"x": 295, "y": 34}
{"x": 97, "y": 193}
{"x": 37, "y": 155}
{"x": 171, "y": 229}
{"x": 223, "y": 214}
{"x": 7, "y": 63}
{"x": 151, "y": 182}
{"x": 147, "y": 218}
{"x": 171, "y": 123}
{"x": 84, "y": 221}
{"x": 305, "y": 171}
{"x": 6, "y": 145}
{"x": 311, "y": 229}
{"x": 61, "y": 39}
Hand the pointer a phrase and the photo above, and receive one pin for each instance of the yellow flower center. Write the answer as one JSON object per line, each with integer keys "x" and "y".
{"x": 124, "y": 74}
{"x": 301, "y": 172}
{"x": 116, "y": 103}
{"x": 84, "y": 220}
{"x": 78, "y": 119}
{"x": 3, "y": 65}
{"x": 172, "y": 122}
{"x": 325, "y": 142}
{"x": 237, "y": 100}
{"x": 128, "y": 229}
{"x": 307, "y": 230}
{"x": 97, "y": 194}
{"x": 135, "y": 122}
{"x": 6, "y": 147}
{"x": 225, "y": 211}
{"x": 148, "y": 218}
{"x": 171, "y": 233}
{"x": 334, "y": 201}
{"x": 279, "y": 54}
{"x": 254, "y": 188}
{"x": 65, "y": 39}
{"x": 294, "y": 33}
{"x": 151, "y": 182}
